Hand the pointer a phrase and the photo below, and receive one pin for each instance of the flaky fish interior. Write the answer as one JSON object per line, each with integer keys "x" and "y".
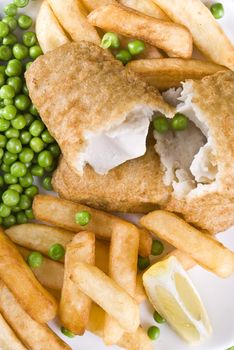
{"x": 188, "y": 156}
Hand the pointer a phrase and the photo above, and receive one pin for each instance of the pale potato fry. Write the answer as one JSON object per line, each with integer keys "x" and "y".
{"x": 38, "y": 237}
{"x": 123, "y": 270}
{"x": 49, "y": 274}
{"x": 72, "y": 16}
{"x": 168, "y": 36}
{"x": 18, "y": 277}
{"x": 91, "y": 5}
{"x": 208, "y": 36}
{"x": 96, "y": 320}
{"x": 8, "y": 339}
{"x": 140, "y": 295}
{"x": 106, "y": 293}
{"x": 166, "y": 73}
{"x": 74, "y": 307}
{"x": 202, "y": 247}
{"x": 186, "y": 261}
{"x": 148, "y": 7}
{"x": 50, "y": 34}
{"x": 34, "y": 335}
{"x": 61, "y": 213}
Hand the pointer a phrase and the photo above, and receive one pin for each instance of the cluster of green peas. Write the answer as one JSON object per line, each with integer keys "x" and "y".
{"x": 26, "y": 147}
{"x": 111, "y": 41}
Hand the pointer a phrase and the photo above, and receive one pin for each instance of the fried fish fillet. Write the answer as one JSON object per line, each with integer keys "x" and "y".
{"x": 135, "y": 186}
{"x": 199, "y": 161}
{"x": 97, "y": 110}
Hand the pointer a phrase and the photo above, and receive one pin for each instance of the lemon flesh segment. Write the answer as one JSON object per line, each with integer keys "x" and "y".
{"x": 174, "y": 296}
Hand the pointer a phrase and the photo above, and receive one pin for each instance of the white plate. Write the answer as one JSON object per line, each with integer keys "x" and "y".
{"x": 216, "y": 293}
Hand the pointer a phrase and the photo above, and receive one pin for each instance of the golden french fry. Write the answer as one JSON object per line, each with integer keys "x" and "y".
{"x": 123, "y": 270}
{"x": 50, "y": 34}
{"x": 96, "y": 320}
{"x": 106, "y": 293}
{"x": 49, "y": 274}
{"x": 102, "y": 253}
{"x": 140, "y": 295}
{"x": 8, "y": 339}
{"x": 186, "y": 261}
{"x": 38, "y": 237}
{"x": 91, "y": 5}
{"x": 202, "y": 247}
{"x": 166, "y": 73}
{"x": 34, "y": 335}
{"x": 168, "y": 36}
{"x": 148, "y": 7}
{"x": 18, "y": 277}
{"x": 74, "y": 305}
{"x": 208, "y": 36}
{"x": 61, "y": 213}
{"x": 72, "y": 16}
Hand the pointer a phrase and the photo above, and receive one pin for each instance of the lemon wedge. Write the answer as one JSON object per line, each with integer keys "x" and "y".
{"x": 174, "y": 296}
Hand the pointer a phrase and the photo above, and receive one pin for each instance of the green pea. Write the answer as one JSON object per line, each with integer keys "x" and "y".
{"x": 16, "y": 83}
{"x": 20, "y": 51}
{"x": 16, "y": 187}
{"x": 25, "y": 90}
{"x": 9, "y": 158}
{"x": 1, "y": 153}
{"x": 161, "y": 124}
{"x": 36, "y": 128}
{"x": 217, "y": 10}
{"x": 10, "y": 39}
{"x": 46, "y": 183}
{"x": 3, "y": 141}
{"x": 35, "y": 51}
{"x": 37, "y": 170}
{"x": 14, "y": 68}
{"x": 35, "y": 259}
{"x": 29, "y": 213}
{"x": 36, "y": 144}
{"x": 52, "y": 167}
{"x": 54, "y": 149}
{"x": 25, "y": 202}
{"x": 9, "y": 112}
{"x": 5, "y": 53}
{"x": 25, "y": 137}
{"x": 8, "y": 101}
{"x": 26, "y": 181}
{"x": 5, "y": 168}
{"x": 18, "y": 169}
{"x": 67, "y": 333}
{"x": 25, "y": 22}
{"x": 157, "y": 247}
{"x": 15, "y": 209}
{"x": 56, "y": 251}
{"x": 4, "y": 124}
{"x": 4, "y": 210}
{"x": 10, "y": 10}
{"x": 158, "y": 318}
{"x": 14, "y": 145}
{"x": 29, "y": 118}
{"x": 4, "y": 29}
{"x": 28, "y": 164}
{"x": 1, "y": 181}
{"x": 7, "y": 91}
{"x": 143, "y": 263}
{"x": 45, "y": 159}
{"x": 9, "y": 178}
{"x": 46, "y": 137}
{"x": 11, "y": 132}
{"x": 10, "y": 198}
{"x": 2, "y": 69}
{"x": 11, "y": 22}
{"x": 21, "y": 218}
{"x": 29, "y": 39}
{"x": 31, "y": 191}
{"x": 26, "y": 155}
{"x": 179, "y": 122}
{"x": 82, "y": 217}
{"x": 19, "y": 122}
{"x": 9, "y": 221}
{"x": 22, "y": 102}
{"x": 2, "y": 79}
{"x": 153, "y": 333}
{"x": 110, "y": 40}
{"x": 136, "y": 47}
{"x": 124, "y": 56}
{"x": 33, "y": 110}
{"x": 21, "y": 3}
{"x": 28, "y": 65}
